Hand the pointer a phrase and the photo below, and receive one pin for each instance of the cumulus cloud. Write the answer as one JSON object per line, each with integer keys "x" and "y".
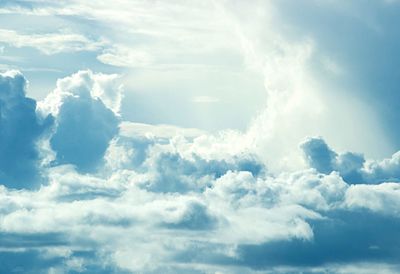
{"x": 319, "y": 155}
{"x": 353, "y": 167}
{"x": 85, "y": 108}
{"x": 174, "y": 173}
{"x": 75, "y": 122}
{"x": 20, "y": 131}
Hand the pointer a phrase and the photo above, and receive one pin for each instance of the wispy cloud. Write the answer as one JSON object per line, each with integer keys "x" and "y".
{"x": 50, "y": 43}
{"x": 205, "y": 99}
{"x": 125, "y": 57}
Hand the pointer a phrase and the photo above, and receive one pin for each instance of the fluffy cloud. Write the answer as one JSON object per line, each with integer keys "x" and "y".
{"x": 163, "y": 199}
{"x": 352, "y": 166}
{"x": 77, "y": 120}
{"x": 239, "y": 221}
{"x": 85, "y": 108}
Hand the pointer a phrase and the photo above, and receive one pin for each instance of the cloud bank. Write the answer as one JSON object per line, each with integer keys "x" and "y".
{"x": 120, "y": 197}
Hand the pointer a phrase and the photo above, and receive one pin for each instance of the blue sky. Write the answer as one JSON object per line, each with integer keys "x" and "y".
{"x": 199, "y": 136}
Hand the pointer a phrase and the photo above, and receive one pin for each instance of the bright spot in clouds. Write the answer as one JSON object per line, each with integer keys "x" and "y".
{"x": 199, "y": 137}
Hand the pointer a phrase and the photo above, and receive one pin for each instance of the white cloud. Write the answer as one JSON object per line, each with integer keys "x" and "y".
{"x": 205, "y": 99}
{"x": 85, "y": 107}
{"x": 50, "y": 43}
{"x": 117, "y": 216}
{"x": 130, "y": 129}
{"x": 353, "y": 167}
{"x": 382, "y": 198}
{"x": 125, "y": 57}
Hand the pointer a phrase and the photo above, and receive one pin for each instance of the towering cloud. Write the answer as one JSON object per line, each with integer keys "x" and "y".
{"x": 20, "y": 130}
{"x": 80, "y": 118}
{"x": 85, "y": 124}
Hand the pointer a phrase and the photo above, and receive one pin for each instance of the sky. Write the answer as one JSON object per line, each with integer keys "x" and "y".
{"x": 216, "y": 136}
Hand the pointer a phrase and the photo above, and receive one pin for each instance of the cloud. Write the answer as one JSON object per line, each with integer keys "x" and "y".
{"x": 170, "y": 164}
{"x": 297, "y": 220}
{"x": 385, "y": 170}
{"x": 219, "y": 35}
{"x": 151, "y": 199}
{"x": 353, "y": 167}
{"x": 352, "y": 236}
{"x": 84, "y": 123}
{"x": 238, "y": 221}
{"x": 120, "y": 56}
{"x": 125, "y": 197}
{"x": 194, "y": 217}
{"x": 76, "y": 122}
{"x": 319, "y": 155}
{"x": 20, "y": 132}
{"x": 129, "y": 129}
{"x": 50, "y": 43}
{"x": 174, "y": 173}
{"x": 382, "y": 198}
{"x": 205, "y": 99}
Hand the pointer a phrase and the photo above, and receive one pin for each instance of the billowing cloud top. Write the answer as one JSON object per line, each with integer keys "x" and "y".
{"x": 84, "y": 124}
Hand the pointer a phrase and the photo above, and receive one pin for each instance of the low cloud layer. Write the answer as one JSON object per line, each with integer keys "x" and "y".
{"x": 129, "y": 198}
